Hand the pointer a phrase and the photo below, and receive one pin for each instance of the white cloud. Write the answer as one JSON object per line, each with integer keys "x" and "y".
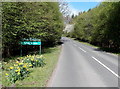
{"x": 74, "y": 10}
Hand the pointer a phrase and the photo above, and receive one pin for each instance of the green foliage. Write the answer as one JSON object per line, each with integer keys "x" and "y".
{"x": 100, "y": 25}
{"x": 34, "y": 61}
{"x": 21, "y": 68}
{"x": 38, "y": 75}
{"x": 40, "y": 20}
{"x": 18, "y": 72}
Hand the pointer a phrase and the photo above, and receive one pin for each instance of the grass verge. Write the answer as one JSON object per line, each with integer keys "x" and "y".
{"x": 103, "y": 49}
{"x": 40, "y": 75}
{"x": 89, "y": 44}
{"x": 109, "y": 50}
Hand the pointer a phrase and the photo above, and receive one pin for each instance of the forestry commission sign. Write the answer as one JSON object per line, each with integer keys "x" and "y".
{"x": 30, "y": 43}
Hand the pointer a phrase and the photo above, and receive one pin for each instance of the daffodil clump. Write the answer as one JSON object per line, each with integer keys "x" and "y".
{"x": 35, "y": 61}
{"x": 20, "y": 70}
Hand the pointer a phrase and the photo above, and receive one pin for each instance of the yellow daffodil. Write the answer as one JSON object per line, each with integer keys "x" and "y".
{"x": 30, "y": 65}
{"x": 20, "y": 63}
{"x": 27, "y": 69}
{"x": 11, "y": 67}
{"x": 26, "y": 63}
{"x": 17, "y": 62}
{"x": 24, "y": 66}
{"x": 16, "y": 70}
{"x": 21, "y": 58}
{"x": 32, "y": 59}
{"x": 19, "y": 70}
{"x": 18, "y": 73}
{"x": 6, "y": 74}
{"x": 15, "y": 65}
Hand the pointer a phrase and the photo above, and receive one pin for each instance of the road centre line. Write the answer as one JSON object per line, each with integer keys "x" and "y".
{"x": 106, "y": 67}
{"x": 101, "y": 64}
{"x": 82, "y": 49}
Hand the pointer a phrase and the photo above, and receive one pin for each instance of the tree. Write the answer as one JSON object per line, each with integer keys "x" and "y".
{"x": 100, "y": 25}
{"x": 40, "y": 20}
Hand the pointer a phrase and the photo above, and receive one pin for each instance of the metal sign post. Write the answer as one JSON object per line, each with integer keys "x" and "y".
{"x": 40, "y": 50}
{"x": 21, "y": 50}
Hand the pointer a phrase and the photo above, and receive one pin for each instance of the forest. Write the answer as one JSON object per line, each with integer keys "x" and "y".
{"x": 40, "y": 20}
{"x": 99, "y": 26}
{"x": 43, "y": 20}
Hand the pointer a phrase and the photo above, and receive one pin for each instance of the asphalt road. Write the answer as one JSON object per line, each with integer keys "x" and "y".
{"x": 81, "y": 65}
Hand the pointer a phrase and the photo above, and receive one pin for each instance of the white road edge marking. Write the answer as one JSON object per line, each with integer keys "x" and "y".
{"x": 82, "y": 49}
{"x": 106, "y": 67}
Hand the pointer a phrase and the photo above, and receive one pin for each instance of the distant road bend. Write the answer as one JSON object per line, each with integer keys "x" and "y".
{"x": 81, "y": 65}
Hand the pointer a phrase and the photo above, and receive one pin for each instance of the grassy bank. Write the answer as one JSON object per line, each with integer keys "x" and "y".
{"x": 40, "y": 75}
{"x": 109, "y": 50}
{"x": 102, "y": 49}
{"x": 86, "y": 43}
